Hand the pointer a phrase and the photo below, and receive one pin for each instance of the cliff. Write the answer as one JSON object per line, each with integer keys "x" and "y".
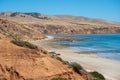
{"x": 13, "y": 30}
{"x": 19, "y": 63}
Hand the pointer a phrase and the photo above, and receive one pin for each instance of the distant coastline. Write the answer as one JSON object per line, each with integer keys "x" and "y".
{"x": 62, "y": 24}
{"x": 104, "y": 45}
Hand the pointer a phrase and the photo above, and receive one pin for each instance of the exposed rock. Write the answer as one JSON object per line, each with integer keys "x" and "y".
{"x": 14, "y": 30}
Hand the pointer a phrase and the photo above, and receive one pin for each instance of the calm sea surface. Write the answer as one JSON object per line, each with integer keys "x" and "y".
{"x": 104, "y": 45}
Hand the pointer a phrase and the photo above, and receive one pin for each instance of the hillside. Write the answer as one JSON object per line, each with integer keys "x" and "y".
{"x": 18, "y": 63}
{"x": 13, "y": 30}
{"x": 62, "y": 23}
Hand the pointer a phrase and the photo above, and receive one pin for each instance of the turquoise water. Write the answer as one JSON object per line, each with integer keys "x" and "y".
{"x": 104, "y": 45}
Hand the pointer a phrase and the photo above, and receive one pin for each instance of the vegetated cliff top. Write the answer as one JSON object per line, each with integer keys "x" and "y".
{"x": 17, "y": 31}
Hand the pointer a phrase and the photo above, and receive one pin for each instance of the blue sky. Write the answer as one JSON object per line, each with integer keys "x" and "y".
{"x": 104, "y": 9}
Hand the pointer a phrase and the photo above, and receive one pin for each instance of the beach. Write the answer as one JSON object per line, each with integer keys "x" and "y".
{"x": 90, "y": 61}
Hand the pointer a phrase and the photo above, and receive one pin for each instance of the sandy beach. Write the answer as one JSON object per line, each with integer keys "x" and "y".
{"x": 90, "y": 61}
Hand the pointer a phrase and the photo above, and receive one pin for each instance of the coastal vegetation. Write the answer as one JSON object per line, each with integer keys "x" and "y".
{"x": 25, "y": 44}
{"x": 76, "y": 67}
{"x": 97, "y": 75}
{"x": 63, "y": 61}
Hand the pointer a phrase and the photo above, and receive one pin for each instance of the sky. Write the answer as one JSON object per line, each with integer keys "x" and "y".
{"x": 103, "y": 9}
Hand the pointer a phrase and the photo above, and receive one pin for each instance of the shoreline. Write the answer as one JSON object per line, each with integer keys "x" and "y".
{"x": 90, "y": 61}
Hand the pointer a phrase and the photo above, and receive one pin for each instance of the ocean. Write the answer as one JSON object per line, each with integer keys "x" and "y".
{"x": 104, "y": 45}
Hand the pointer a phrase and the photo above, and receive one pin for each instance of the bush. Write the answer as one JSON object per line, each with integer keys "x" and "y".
{"x": 25, "y": 44}
{"x": 59, "y": 79}
{"x": 60, "y": 59}
{"x": 97, "y": 75}
{"x": 76, "y": 67}
{"x": 64, "y": 62}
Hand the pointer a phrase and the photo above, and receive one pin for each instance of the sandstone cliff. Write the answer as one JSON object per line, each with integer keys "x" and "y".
{"x": 18, "y": 63}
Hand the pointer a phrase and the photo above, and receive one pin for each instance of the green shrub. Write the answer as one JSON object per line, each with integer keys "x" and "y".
{"x": 59, "y": 79}
{"x": 60, "y": 59}
{"x": 97, "y": 75}
{"x": 64, "y": 62}
{"x": 76, "y": 67}
{"x": 25, "y": 44}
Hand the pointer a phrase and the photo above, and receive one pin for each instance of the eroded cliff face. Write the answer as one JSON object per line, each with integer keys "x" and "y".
{"x": 16, "y": 31}
{"x": 86, "y": 29}
{"x": 18, "y": 63}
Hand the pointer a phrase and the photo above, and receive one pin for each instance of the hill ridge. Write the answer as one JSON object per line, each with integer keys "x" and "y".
{"x": 65, "y": 24}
